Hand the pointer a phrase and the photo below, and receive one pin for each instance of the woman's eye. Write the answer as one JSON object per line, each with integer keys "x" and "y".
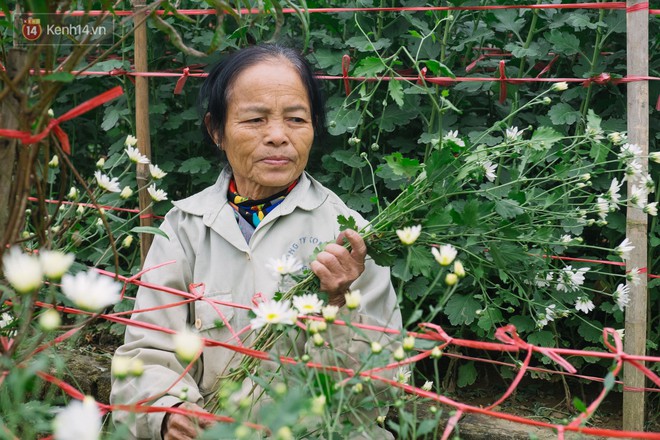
{"x": 253, "y": 120}
{"x": 297, "y": 120}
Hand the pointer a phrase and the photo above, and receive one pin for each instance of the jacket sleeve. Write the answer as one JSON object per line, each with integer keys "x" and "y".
{"x": 155, "y": 348}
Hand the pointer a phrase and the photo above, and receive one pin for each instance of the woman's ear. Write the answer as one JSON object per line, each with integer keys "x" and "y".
{"x": 212, "y": 132}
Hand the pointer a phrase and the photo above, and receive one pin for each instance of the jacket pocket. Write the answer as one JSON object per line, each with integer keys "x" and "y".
{"x": 211, "y": 315}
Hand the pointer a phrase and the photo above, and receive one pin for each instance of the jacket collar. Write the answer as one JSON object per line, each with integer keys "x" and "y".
{"x": 308, "y": 195}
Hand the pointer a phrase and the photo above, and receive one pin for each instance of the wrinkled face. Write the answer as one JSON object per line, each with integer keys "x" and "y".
{"x": 269, "y": 130}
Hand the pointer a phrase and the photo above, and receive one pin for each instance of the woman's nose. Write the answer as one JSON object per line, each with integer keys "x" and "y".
{"x": 276, "y": 134}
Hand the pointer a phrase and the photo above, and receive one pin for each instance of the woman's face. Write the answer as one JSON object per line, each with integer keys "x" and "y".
{"x": 269, "y": 130}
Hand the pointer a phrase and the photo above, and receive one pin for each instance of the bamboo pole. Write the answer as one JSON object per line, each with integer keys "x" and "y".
{"x": 142, "y": 122}
{"x": 636, "y": 220}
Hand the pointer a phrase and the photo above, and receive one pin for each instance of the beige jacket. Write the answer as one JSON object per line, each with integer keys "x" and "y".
{"x": 207, "y": 247}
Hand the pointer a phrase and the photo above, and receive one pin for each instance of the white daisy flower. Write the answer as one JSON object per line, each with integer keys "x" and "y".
{"x": 638, "y": 196}
{"x": 273, "y": 312}
{"x": 633, "y": 276}
{"x": 584, "y": 304}
{"x": 613, "y": 192}
{"x": 49, "y": 320}
{"x": 548, "y": 316}
{"x": 156, "y": 172}
{"x": 459, "y": 270}
{"x": 428, "y": 385}
{"x": 603, "y": 207}
{"x": 565, "y": 238}
{"x": 634, "y": 170}
{"x": 73, "y": 193}
{"x": 651, "y": 209}
{"x": 55, "y": 263}
{"x": 452, "y": 136}
{"x": 78, "y": 421}
{"x": 285, "y": 265}
{"x": 655, "y": 156}
{"x": 157, "y": 195}
{"x": 106, "y": 183}
{"x": 445, "y": 255}
{"x": 135, "y": 156}
{"x": 629, "y": 151}
{"x": 90, "y": 290}
{"x": 409, "y": 234}
{"x": 489, "y": 169}
{"x": 541, "y": 281}
{"x": 308, "y": 304}
{"x": 570, "y": 280}
{"x": 187, "y": 344}
{"x": 403, "y": 375}
{"x": 623, "y": 250}
{"x": 512, "y": 133}
{"x": 23, "y": 271}
{"x": 622, "y": 296}
{"x": 646, "y": 181}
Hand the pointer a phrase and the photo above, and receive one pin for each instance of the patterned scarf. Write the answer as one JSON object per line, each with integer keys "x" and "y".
{"x": 254, "y": 211}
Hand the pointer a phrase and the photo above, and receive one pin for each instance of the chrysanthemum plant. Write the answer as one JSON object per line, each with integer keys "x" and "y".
{"x": 476, "y": 236}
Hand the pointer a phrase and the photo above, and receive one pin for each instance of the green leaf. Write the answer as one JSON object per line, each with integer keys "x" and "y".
{"x": 490, "y": 319}
{"x": 110, "y": 119}
{"x": 508, "y": 208}
{"x": 508, "y": 21}
{"x": 342, "y": 120}
{"x": 563, "y": 114}
{"x": 395, "y": 90}
{"x": 370, "y": 67}
{"x": 545, "y": 137}
{"x": 195, "y": 165}
{"x": 402, "y": 166}
{"x": 395, "y": 116}
{"x": 347, "y": 223}
{"x": 328, "y": 60}
{"x": 579, "y": 404}
{"x": 422, "y": 261}
{"x": 149, "y": 230}
{"x": 563, "y": 42}
{"x": 439, "y": 69}
{"x": 348, "y": 157}
{"x": 467, "y": 374}
{"x": 65, "y": 77}
{"x": 591, "y": 330}
{"x": 363, "y": 44}
{"x": 523, "y": 323}
{"x": 462, "y": 309}
{"x": 543, "y": 338}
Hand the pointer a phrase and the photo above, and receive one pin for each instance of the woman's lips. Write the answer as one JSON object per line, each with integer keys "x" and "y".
{"x": 277, "y": 161}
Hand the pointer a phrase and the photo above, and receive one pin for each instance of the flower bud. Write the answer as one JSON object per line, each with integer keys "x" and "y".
{"x": 127, "y": 241}
{"x": 459, "y": 270}
{"x": 436, "y": 353}
{"x": 409, "y": 343}
{"x": 376, "y": 347}
{"x": 317, "y": 326}
{"x": 358, "y": 388}
{"x": 51, "y": 113}
{"x": 187, "y": 344}
{"x": 49, "y": 320}
{"x": 126, "y": 192}
{"x": 451, "y": 279}
{"x": 375, "y": 147}
{"x": 547, "y": 100}
{"x": 399, "y": 354}
{"x": 136, "y": 368}
{"x": 353, "y": 298}
{"x": 54, "y": 162}
{"x": 330, "y": 313}
{"x": 120, "y": 366}
{"x": 560, "y": 86}
{"x": 100, "y": 163}
{"x": 318, "y": 339}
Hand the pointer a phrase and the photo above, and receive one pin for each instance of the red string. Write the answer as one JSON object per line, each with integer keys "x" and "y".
{"x": 638, "y": 7}
{"x": 345, "y": 65}
{"x": 181, "y": 81}
{"x": 28, "y": 138}
{"x": 502, "y": 82}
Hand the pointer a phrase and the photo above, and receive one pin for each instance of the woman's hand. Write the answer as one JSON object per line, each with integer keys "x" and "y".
{"x": 337, "y": 267}
{"x": 184, "y": 427}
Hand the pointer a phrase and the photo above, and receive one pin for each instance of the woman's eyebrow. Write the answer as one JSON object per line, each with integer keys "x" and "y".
{"x": 255, "y": 108}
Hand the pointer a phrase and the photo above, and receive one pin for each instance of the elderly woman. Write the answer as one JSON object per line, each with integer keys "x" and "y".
{"x": 264, "y": 111}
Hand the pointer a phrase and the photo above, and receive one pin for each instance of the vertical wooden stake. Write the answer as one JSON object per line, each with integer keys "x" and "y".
{"x": 637, "y": 221}
{"x": 142, "y": 121}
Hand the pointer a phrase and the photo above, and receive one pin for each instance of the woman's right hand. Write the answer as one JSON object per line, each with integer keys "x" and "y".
{"x": 185, "y": 427}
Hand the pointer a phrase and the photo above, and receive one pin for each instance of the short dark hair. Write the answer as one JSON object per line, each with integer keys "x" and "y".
{"x": 214, "y": 93}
